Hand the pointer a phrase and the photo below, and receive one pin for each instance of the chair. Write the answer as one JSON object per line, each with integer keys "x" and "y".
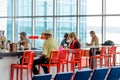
{"x": 114, "y": 74}
{"x": 76, "y": 59}
{"x": 110, "y": 56}
{"x": 100, "y": 57}
{"x": 82, "y": 75}
{"x": 53, "y": 61}
{"x": 100, "y": 74}
{"x": 85, "y": 59}
{"x": 27, "y": 63}
{"x": 63, "y": 59}
{"x": 42, "y": 77}
{"x": 63, "y": 76}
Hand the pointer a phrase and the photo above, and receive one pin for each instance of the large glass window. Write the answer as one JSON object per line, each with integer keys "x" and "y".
{"x": 91, "y": 7}
{"x": 113, "y": 29}
{"x": 44, "y": 7}
{"x": 22, "y": 24}
{"x": 8, "y": 31}
{"x": 6, "y": 26}
{"x": 113, "y": 6}
{"x": 23, "y": 7}
{"x": 66, "y": 7}
{"x": 41, "y": 24}
{"x": 61, "y": 16}
{"x": 65, "y": 25}
{"x": 94, "y": 24}
{"x": 4, "y": 10}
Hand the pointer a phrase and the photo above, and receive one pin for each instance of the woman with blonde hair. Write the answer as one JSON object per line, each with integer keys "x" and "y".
{"x": 74, "y": 42}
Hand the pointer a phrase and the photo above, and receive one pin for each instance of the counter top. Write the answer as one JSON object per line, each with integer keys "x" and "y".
{"x": 18, "y": 53}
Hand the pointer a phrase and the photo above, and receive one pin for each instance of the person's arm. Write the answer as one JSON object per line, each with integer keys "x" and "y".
{"x": 96, "y": 42}
{"x": 77, "y": 45}
{"x": 62, "y": 43}
{"x": 88, "y": 44}
{"x": 45, "y": 50}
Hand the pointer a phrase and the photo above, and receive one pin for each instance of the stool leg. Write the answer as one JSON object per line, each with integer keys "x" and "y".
{"x": 11, "y": 73}
{"x": 17, "y": 74}
{"x": 67, "y": 67}
{"x": 72, "y": 66}
{"x": 48, "y": 69}
{"x": 31, "y": 73}
{"x": 27, "y": 74}
{"x": 39, "y": 69}
{"x": 58, "y": 68}
{"x": 21, "y": 73}
{"x": 63, "y": 68}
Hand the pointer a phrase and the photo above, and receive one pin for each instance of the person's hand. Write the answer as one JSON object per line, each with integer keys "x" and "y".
{"x": 43, "y": 55}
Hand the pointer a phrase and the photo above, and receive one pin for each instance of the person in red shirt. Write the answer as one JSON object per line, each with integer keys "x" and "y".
{"x": 74, "y": 42}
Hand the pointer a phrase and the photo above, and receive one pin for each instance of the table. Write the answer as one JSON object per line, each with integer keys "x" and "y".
{"x": 93, "y": 49}
{"x": 7, "y": 58}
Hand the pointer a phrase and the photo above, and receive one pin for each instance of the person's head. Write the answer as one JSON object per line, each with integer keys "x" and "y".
{"x": 22, "y": 35}
{"x": 72, "y": 36}
{"x": 92, "y": 33}
{"x": 66, "y": 35}
{"x": 47, "y": 34}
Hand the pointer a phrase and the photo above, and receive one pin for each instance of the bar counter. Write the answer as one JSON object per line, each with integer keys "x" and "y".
{"x": 18, "y": 53}
{"x": 8, "y": 58}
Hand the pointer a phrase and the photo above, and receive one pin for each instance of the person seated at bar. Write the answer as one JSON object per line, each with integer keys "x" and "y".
{"x": 94, "y": 42}
{"x": 49, "y": 45}
{"x": 23, "y": 42}
{"x": 2, "y": 40}
{"x": 65, "y": 41}
{"x": 74, "y": 42}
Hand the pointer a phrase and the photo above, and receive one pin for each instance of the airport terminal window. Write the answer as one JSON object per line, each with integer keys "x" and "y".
{"x": 112, "y": 7}
{"x": 22, "y": 24}
{"x": 17, "y": 15}
{"x": 65, "y": 24}
{"x": 41, "y": 24}
{"x": 94, "y": 23}
{"x": 93, "y": 7}
{"x": 44, "y": 7}
{"x": 113, "y": 29}
{"x": 23, "y": 7}
{"x": 66, "y": 7}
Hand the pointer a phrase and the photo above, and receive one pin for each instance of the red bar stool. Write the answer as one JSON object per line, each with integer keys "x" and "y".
{"x": 53, "y": 61}
{"x": 27, "y": 63}
{"x": 100, "y": 57}
{"x": 110, "y": 56}
{"x": 85, "y": 59}
{"x": 76, "y": 59}
{"x": 63, "y": 59}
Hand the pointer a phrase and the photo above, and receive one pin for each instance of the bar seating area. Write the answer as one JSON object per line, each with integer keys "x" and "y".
{"x": 71, "y": 64}
{"x": 59, "y": 40}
